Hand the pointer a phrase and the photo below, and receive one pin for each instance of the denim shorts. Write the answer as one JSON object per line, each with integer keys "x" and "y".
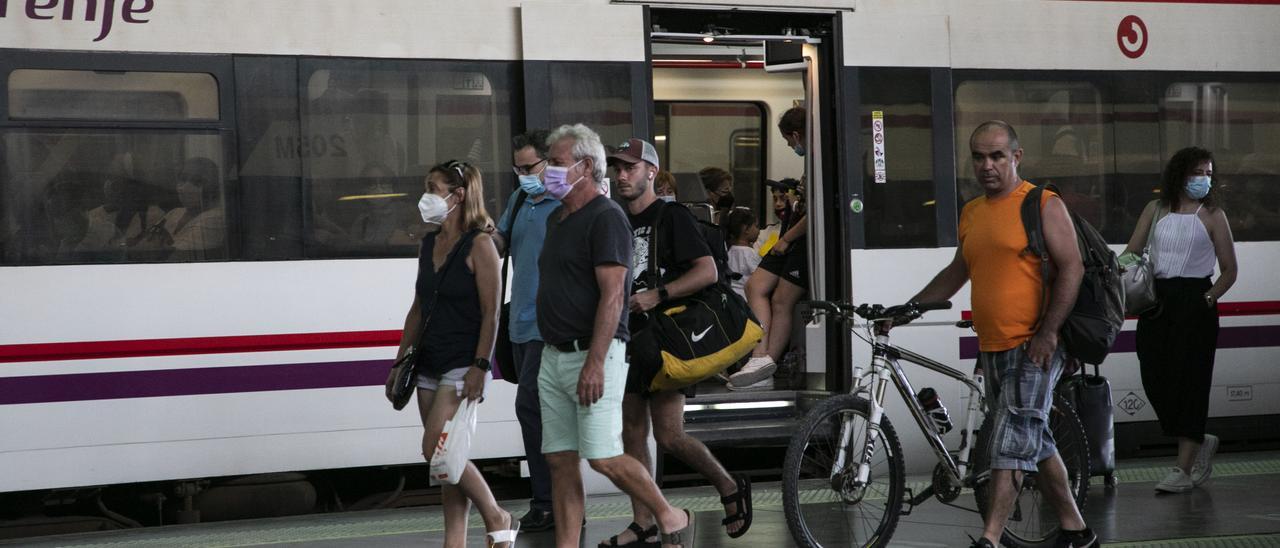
{"x": 453, "y": 378}
{"x": 1020, "y": 393}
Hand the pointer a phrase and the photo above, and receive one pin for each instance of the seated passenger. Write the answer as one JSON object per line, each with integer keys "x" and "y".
{"x": 719, "y": 186}
{"x": 781, "y": 280}
{"x": 121, "y": 221}
{"x": 742, "y": 234}
{"x": 664, "y": 185}
{"x": 198, "y": 229}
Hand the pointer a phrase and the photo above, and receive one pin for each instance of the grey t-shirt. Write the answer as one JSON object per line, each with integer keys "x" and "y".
{"x": 597, "y": 234}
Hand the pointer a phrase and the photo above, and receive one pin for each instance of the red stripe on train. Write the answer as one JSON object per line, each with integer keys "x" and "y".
{"x": 196, "y": 345}
{"x": 1242, "y": 308}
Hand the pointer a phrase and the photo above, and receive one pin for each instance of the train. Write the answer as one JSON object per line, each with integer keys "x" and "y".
{"x": 260, "y": 343}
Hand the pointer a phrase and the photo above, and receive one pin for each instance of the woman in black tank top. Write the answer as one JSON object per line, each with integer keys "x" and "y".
{"x": 453, "y": 321}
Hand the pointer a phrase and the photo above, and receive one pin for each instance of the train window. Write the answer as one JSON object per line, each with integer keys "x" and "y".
{"x": 1238, "y": 123}
{"x": 37, "y": 94}
{"x": 1062, "y": 127}
{"x": 694, "y": 136}
{"x": 371, "y": 130}
{"x": 900, "y": 212}
{"x": 92, "y": 196}
{"x": 270, "y": 171}
{"x": 595, "y": 94}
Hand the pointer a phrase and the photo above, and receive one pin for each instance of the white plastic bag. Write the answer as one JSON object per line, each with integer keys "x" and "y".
{"x": 450, "y": 457}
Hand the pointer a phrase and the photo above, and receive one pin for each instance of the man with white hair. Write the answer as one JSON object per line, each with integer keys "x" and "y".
{"x": 583, "y": 288}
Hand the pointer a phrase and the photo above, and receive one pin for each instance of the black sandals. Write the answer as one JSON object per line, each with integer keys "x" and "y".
{"x": 742, "y": 500}
{"x": 683, "y": 537}
{"x": 641, "y": 541}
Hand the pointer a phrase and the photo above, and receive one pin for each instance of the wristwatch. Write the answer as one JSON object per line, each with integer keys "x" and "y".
{"x": 1209, "y": 299}
{"x": 482, "y": 364}
{"x": 662, "y": 293}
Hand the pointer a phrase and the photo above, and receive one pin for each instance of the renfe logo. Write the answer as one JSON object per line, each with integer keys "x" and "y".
{"x": 49, "y": 9}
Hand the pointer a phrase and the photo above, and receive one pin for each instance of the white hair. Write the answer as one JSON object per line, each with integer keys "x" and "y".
{"x": 586, "y": 144}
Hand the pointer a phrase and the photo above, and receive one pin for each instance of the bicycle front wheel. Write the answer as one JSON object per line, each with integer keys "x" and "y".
{"x": 1032, "y": 520}
{"x": 824, "y": 503}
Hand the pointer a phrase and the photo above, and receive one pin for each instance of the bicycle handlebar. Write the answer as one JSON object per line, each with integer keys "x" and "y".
{"x": 898, "y": 314}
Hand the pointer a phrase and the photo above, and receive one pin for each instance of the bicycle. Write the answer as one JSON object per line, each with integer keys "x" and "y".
{"x": 844, "y": 477}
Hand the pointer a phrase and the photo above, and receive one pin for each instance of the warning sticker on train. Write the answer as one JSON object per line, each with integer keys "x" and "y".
{"x": 1131, "y": 35}
{"x": 877, "y": 140}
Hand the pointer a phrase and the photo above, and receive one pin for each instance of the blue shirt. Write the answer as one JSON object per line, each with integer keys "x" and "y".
{"x": 530, "y": 230}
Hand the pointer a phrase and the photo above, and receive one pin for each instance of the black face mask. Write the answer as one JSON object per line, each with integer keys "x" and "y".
{"x": 725, "y": 202}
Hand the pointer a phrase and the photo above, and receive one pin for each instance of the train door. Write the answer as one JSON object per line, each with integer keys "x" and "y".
{"x": 722, "y": 81}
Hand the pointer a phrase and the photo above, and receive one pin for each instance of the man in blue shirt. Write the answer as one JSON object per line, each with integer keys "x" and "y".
{"x": 524, "y": 231}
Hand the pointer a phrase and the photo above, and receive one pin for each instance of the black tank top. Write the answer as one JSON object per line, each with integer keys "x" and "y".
{"x": 450, "y": 308}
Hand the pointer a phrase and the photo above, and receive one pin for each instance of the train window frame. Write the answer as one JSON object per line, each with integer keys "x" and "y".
{"x": 218, "y": 66}
{"x": 1118, "y": 88}
{"x": 114, "y": 87}
{"x": 662, "y": 109}
{"x": 503, "y": 81}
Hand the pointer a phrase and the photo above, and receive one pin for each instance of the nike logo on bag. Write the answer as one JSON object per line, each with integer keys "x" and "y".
{"x": 698, "y": 336}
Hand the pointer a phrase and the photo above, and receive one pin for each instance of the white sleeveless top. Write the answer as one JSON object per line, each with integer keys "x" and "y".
{"x": 1182, "y": 248}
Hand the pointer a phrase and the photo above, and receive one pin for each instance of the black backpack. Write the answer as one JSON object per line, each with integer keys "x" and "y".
{"x": 1094, "y": 322}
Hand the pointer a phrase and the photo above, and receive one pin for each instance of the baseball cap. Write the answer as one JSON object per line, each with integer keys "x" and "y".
{"x": 635, "y": 150}
{"x": 783, "y": 185}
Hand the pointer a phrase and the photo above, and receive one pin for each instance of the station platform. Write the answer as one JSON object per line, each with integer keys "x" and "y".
{"x": 1238, "y": 507}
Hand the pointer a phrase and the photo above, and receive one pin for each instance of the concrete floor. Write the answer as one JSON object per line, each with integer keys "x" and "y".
{"x": 1239, "y": 506}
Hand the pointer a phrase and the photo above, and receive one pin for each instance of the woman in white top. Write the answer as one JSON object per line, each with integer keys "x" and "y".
{"x": 1177, "y": 341}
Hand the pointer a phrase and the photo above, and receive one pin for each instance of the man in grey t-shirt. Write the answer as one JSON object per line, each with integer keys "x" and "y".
{"x": 584, "y": 270}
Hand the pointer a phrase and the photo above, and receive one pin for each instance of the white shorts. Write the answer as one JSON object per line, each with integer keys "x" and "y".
{"x": 453, "y": 377}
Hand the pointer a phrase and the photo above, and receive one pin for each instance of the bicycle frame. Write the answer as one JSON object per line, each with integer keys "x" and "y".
{"x": 885, "y": 368}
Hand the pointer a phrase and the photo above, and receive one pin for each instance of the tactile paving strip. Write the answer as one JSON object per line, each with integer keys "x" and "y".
{"x": 353, "y": 526}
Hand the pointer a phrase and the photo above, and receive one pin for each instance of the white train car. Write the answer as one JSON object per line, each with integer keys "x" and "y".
{"x": 261, "y": 345}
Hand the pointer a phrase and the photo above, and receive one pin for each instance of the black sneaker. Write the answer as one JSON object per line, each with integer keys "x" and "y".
{"x": 981, "y": 542}
{"x": 1084, "y": 538}
{"x": 537, "y": 520}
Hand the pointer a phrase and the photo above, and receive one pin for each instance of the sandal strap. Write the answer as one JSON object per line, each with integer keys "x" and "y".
{"x": 637, "y": 529}
{"x": 499, "y": 537}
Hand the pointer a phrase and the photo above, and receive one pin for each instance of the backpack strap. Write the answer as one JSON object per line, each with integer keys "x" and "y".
{"x": 1033, "y": 222}
{"x": 511, "y": 230}
{"x": 654, "y": 273}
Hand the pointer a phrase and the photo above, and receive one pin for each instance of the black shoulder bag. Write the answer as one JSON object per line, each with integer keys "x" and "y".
{"x": 504, "y": 359}
{"x": 691, "y": 338}
{"x": 404, "y": 373}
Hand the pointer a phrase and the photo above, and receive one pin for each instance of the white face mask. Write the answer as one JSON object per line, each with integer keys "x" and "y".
{"x": 434, "y": 209}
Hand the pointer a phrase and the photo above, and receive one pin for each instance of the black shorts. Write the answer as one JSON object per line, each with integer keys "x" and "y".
{"x": 792, "y": 266}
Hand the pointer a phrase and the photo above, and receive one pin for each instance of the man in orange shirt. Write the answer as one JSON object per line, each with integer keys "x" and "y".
{"x": 1022, "y": 358}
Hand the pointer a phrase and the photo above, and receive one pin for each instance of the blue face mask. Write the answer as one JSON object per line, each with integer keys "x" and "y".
{"x": 532, "y": 185}
{"x": 1198, "y": 186}
{"x": 799, "y": 150}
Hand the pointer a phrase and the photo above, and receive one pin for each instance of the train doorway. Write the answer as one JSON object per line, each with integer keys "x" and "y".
{"x": 722, "y": 81}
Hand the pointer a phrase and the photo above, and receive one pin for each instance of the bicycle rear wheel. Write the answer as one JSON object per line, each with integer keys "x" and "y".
{"x": 1033, "y": 522}
{"x": 825, "y": 506}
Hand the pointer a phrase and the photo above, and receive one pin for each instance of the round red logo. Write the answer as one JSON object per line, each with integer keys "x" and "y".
{"x": 1132, "y": 37}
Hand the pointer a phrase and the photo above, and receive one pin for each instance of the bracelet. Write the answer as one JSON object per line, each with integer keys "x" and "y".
{"x": 663, "y": 294}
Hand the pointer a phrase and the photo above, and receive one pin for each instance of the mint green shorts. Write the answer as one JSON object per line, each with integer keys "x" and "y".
{"x": 594, "y": 431}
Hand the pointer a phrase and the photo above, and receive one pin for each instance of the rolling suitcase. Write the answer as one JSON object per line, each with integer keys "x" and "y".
{"x": 1091, "y": 396}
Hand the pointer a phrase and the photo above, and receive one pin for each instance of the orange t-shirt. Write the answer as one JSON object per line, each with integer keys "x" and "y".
{"x": 1006, "y": 286}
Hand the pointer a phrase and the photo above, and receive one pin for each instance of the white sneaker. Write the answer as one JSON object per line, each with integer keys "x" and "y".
{"x": 1176, "y": 482}
{"x": 766, "y": 384}
{"x": 756, "y": 370}
{"x": 1203, "y": 466}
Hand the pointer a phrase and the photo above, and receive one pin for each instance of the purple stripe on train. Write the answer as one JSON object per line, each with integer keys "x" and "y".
{"x": 1250, "y": 336}
{"x": 191, "y": 382}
